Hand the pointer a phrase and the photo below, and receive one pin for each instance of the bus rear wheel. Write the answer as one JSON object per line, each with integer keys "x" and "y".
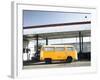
{"x": 69, "y": 59}
{"x": 47, "y": 60}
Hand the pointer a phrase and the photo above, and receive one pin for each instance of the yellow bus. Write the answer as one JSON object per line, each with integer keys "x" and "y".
{"x": 49, "y": 53}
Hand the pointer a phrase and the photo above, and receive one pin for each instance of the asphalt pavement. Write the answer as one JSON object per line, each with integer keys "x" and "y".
{"x": 57, "y": 65}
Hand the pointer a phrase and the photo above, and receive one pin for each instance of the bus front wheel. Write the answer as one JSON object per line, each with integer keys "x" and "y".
{"x": 69, "y": 59}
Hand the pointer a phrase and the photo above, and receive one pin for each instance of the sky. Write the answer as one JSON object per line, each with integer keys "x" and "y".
{"x": 32, "y": 18}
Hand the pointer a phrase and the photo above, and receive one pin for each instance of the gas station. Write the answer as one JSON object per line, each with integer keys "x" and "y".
{"x": 74, "y": 33}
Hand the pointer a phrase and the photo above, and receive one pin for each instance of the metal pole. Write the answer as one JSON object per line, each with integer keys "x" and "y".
{"x": 46, "y": 41}
{"x": 37, "y": 41}
{"x": 80, "y": 45}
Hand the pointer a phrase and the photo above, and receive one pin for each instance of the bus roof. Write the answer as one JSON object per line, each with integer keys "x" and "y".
{"x": 57, "y": 46}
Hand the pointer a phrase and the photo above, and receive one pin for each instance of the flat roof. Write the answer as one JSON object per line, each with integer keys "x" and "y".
{"x": 57, "y": 31}
{"x": 55, "y": 25}
{"x": 58, "y": 35}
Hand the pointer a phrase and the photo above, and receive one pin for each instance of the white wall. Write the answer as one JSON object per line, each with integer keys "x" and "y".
{"x": 5, "y": 40}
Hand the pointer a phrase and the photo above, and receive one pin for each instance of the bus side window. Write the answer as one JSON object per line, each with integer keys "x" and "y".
{"x": 49, "y": 49}
{"x": 70, "y": 48}
{"x": 59, "y": 48}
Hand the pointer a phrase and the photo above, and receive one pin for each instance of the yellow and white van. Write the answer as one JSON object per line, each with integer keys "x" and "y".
{"x": 49, "y": 53}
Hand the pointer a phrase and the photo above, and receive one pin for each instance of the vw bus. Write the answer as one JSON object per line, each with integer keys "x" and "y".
{"x": 49, "y": 53}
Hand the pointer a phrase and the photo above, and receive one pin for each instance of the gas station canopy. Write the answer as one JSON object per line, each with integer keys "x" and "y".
{"x": 55, "y": 31}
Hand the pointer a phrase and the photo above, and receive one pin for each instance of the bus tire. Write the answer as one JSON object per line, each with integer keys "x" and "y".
{"x": 47, "y": 60}
{"x": 69, "y": 59}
